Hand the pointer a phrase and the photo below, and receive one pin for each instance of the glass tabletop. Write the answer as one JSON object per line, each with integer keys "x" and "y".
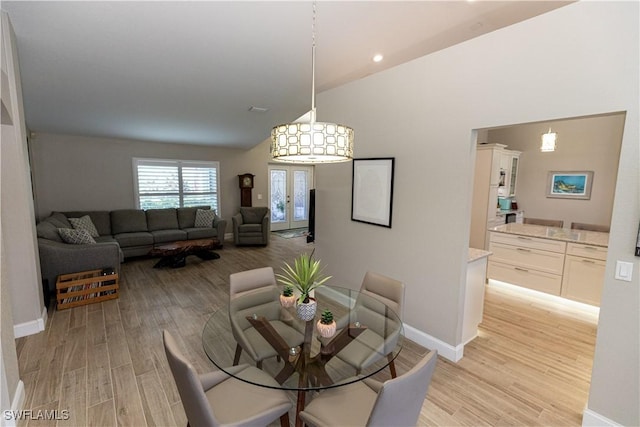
{"x": 368, "y": 337}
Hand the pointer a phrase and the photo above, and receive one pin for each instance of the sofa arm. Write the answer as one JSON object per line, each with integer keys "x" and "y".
{"x": 221, "y": 226}
{"x": 62, "y": 258}
{"x": 237, "y": 221}
{"x": 266, "y": 232}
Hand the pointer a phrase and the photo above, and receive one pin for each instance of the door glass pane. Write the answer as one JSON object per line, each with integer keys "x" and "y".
{"x": 278, "y": 195}
{"x": 300, "y": 191}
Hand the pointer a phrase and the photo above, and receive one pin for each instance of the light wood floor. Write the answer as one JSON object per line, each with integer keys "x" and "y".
{"x": 105, "y": 363}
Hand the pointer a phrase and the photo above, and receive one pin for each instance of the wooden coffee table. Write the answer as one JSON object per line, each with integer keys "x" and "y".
{"x": 175, "y": 254}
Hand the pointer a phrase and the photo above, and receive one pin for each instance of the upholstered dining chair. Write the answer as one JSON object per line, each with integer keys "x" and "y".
{"x": 382, "y": 332}
{"x": 589, "y": 227}
{"x": 396, "y": 402}
{"x": 546, "y": 222}
{"x": 217, "y": 399}
{"x": 257, "y": 288}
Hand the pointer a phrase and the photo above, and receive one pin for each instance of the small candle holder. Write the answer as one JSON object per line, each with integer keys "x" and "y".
{"x": 357, "y": 324}
{"x": 255, "y": 316}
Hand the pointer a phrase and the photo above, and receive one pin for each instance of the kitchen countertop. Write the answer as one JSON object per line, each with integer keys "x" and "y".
{"x": 476, "y": 254}
{"x": 594, "y": 238}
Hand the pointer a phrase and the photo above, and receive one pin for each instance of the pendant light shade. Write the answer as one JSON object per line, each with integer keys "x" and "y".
{"x": 310, "y": 141}
{"x": 548, "y": 142}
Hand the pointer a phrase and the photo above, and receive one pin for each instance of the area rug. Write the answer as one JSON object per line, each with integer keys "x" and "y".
{"x": 294, "y": 232}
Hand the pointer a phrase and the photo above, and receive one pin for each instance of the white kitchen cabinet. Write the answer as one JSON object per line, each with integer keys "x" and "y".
{"x": 509, "y": 170}
{"x": 527, "y": 261}
{"x": 584, "y": 273}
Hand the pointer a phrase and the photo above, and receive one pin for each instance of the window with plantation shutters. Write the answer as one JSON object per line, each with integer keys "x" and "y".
{"x": 175, "y": 183}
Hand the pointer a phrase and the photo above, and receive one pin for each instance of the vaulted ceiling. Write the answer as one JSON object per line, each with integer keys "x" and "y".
{"x": 190, "y": 71}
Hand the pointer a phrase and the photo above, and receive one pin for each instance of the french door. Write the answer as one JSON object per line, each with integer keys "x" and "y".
{"x": 289, "y": 196}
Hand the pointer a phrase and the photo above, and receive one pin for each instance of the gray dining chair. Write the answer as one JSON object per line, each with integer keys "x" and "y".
{"x": 378, "y": 293}
{"x": 589, "y": 227}
{"x": 218, "y": 399}
{"x": 257, "y": 288}
{"x": 546, "y": 222}
{"x": 396, "y": 402}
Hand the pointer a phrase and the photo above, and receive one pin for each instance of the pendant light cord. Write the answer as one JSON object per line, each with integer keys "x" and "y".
{"x": 313, "y": 65}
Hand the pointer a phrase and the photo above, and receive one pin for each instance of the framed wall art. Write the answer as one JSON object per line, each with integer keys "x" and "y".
{"x": 570, "y": 185}
{"x": 372, "y": 191}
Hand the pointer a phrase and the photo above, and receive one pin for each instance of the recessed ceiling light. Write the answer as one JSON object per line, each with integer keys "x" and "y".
{"x": 377, "y": 57}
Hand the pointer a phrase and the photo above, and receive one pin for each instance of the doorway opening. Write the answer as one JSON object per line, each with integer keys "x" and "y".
{"x": 289, "y": 196}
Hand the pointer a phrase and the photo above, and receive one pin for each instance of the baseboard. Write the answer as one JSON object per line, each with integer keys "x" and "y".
{"x": 445, "y": 350}
{"x": 31, "y": 327}
{"x": 593, "y": 419}
{"x": 16, "y": 405}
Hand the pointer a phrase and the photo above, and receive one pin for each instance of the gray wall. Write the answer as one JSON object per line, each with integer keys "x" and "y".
{"x": 85, "y": 173}
{"x": 584, "y": 144}
{"x": 424, "y": 112}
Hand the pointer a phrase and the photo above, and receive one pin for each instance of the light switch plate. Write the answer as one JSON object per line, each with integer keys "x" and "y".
{"x": 624, "y": 271}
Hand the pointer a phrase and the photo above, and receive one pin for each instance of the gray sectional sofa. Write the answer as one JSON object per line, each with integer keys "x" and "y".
{"x": 122, "y": 234}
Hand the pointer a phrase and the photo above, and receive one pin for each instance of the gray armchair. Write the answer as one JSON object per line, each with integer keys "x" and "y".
{"x": 251, "y": 226}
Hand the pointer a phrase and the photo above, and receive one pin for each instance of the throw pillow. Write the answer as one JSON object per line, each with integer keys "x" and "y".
{"x": 75, "y": 237}
{"x": 84, "y": 223}
{"x": 205, "y": 217}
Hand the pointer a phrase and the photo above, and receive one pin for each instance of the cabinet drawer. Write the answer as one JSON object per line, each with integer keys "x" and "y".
{"x": 530, "y": 259}
{"x": 532, "y": 279}
{"x": 529, "y": 242}
{"x": 583, "y": 279}
{"x": 587, "y": 251}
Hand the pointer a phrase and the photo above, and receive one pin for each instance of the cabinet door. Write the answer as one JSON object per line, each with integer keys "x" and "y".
{"x": 513, "y": 175}
{"x": 583, "y": 278}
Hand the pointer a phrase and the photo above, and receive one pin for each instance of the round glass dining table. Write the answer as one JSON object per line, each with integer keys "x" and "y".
{"x": 368, "y": 338}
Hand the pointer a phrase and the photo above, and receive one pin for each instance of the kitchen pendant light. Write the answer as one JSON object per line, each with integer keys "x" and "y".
{"x": 309, "y": 141}
{"x": 548, "y": 141}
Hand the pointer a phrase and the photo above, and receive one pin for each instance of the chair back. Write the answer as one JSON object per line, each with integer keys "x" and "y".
{"x": 384, "y": 289}
{"x": 589, "y": 227}
{"x": 253, "y": 214}
{"x": 400, "y": 399}
{"x": 190, "y": 388}
{"x": 546, "y": 222}
{"x": 250, "y": 280}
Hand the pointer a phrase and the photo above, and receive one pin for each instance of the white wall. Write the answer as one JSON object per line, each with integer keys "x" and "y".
{"x": 584, "y": 144}
{"x": 86, "y": 173}
{"x": 423, "y": 114}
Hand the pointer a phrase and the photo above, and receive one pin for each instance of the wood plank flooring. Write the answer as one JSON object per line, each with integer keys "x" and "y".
{"x": 105, "y": 363}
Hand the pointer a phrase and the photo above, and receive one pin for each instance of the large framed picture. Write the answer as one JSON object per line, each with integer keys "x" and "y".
{"x": 570, "y": 185}
{"x": 372, "y": 191}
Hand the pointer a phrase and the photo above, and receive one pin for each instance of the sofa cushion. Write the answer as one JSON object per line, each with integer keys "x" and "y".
{"x": 201, "y": 233}
{"x": 75, "y": 237}
{"x": 128, "y": 221}
{"x": 102, "y": 239}
{"x": 187, "y": 216}
{"x": 164, "y": 236}
{"x": 141, "y": 238}
{"x": 101, "y": 220}
{"x": 204, "y": 218}
{"x": 84, "y": 223}
{"x": 250, "y": 228}
{"x": 47, "y": 230}
{"x": 59, "y": 220}
{"x": 253, "y": 215}
{"x": 162, "y": 219}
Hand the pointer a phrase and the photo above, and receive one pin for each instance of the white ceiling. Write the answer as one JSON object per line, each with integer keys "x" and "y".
{"x": 188, "y": 71}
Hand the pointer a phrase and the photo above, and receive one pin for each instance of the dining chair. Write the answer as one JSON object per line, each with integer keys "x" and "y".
{"x": 589, "y": 227}
{"x": 218, "y": 399}
{"x": 257, "y": 286}
{"x": 396, "y": 402}
{"x": 378, "y": 293}
{"x": 547, "y": 222}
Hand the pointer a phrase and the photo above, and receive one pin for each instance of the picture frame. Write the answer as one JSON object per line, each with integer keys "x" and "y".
{"x": 372, "y": 191}
{"x": 570, "y": 185}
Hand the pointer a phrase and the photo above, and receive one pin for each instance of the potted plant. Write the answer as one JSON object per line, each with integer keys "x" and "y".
{"x": 326, "y": 325}
{"x": 304, "y": 275}
{"x": 287, "y": 299}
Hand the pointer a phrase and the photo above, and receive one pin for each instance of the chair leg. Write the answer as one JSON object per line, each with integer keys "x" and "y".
{"x": 236, "y": 358}
{"x": 392, "y": 365}
{"x": 284, "y": 420}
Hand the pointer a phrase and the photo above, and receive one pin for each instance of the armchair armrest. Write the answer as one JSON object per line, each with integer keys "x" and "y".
{"x": 221, "y": 227}
{"x": 266, "y": 232}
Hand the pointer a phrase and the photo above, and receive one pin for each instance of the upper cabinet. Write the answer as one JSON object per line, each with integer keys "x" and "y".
{"x": 508, "y": 173}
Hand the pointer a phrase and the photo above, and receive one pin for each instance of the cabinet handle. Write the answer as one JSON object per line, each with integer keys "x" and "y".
{"x": 523, "y": 249}
{"x": 521, "y": 269}
{"x": 589, "y": 261}
{"x": 591, "y": 248}
{"x": 524, "y": 238}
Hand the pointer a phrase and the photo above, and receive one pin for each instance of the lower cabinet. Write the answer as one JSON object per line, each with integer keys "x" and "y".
{"x": 583, "y": 276}
{"x": 570, "y": 270}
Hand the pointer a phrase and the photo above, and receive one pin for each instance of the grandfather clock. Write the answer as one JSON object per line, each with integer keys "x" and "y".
{"x": 246, "y": 184}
